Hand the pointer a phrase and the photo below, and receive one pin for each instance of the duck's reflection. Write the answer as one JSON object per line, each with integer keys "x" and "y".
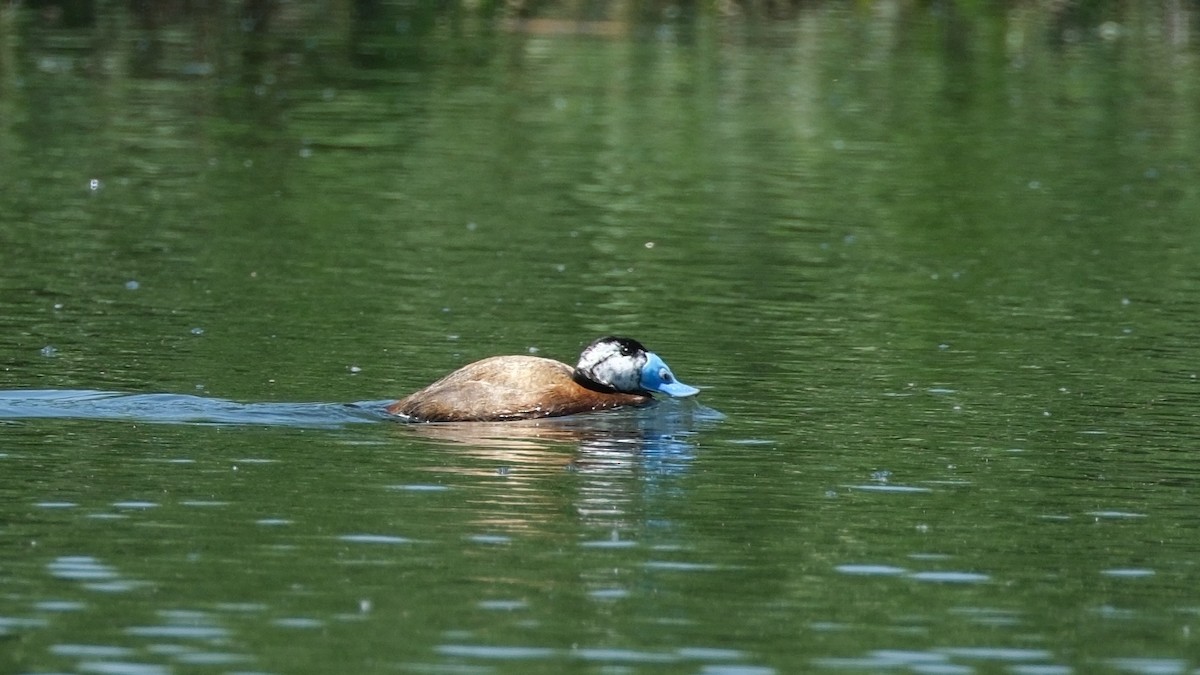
{"x": 660, "y": 435}
{"x": 624, "y": 461}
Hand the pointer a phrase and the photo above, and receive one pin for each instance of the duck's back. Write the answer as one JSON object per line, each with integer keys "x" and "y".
{"x": 504, "y": 388}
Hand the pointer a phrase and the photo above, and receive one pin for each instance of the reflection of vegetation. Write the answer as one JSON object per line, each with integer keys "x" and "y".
{"x": 586, "y": 156}
{"x": 362, "y": 22}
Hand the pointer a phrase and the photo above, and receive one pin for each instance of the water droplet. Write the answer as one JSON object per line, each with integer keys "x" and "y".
{"x": 132, "y": 285}
{"x": 355, "y": 369}
{"x": 49, "y": 351}
{"x": 95, "y": 185}
{"x": 197, "y": 331}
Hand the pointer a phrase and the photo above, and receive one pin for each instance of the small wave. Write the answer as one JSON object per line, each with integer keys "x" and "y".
{"x": 181, "y": 409}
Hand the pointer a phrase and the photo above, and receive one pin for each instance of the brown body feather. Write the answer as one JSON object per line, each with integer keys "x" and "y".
{"x": 508, "y": 388}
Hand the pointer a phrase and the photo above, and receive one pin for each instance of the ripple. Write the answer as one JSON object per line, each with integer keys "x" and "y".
{"x": 80, "y": 568}
{"x": 1039, "y": 669}
{"x": 985, "y": 616}
{"x": 93, "y": 651}
{"x": 1116, "y": 514}
{"x": 888, "y": 488}
{"x": 489, "y": 652}
{"x": 951, "y": 577}
{"x": 904, "y": 657}
{"x": 419, "y": 487}
{"x": 298, "y": 622}
{"x": 122, "y": 668}
{"x": 609, "y": 543}
{"x": 186, "y": 632}
{"x": 1110, "y": 612}
{"x": 9, "y": 622}
{"x": 60, "y": 605}
{"x": 173, "y": 650}
{"x": 240, "y": 607}
{"x": 503, "y": 605}
{"x": 273, "y": 522}
{"x": 680, "y": 566}
{"x": 211, "y": 658}
{"x": 374, "y": 539}
{"x": 998, "y": 653}
{"x": 870, "y": 570}
{"x": 490, "y": 539}
{"x": 604, "y": 655}
{"x": 116, "y": 586}
{"x": 1149, "y": 666}
{"x": 609, "y": 593}
{"x": 1131, "y": 573}
{"x": 881, "y": 660}
{"x": 710, "y": 653}
{"x": 611, "y": 655}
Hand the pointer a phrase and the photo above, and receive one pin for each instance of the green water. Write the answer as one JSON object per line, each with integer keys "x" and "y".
{"x": 934, "y": 269}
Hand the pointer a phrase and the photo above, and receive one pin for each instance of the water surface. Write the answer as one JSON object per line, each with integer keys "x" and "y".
{"x": 935, "y": 268}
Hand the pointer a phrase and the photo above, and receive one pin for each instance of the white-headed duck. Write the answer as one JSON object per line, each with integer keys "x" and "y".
{"x": 612, "y": 372}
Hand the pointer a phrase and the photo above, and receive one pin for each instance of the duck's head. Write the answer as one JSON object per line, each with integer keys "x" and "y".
{"x": 623, "y": 364}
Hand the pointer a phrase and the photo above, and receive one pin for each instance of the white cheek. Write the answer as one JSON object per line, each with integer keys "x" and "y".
{"x": 622, "y": 375}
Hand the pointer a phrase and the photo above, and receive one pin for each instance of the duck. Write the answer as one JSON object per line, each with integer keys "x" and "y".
{"x": 612, "y": 372}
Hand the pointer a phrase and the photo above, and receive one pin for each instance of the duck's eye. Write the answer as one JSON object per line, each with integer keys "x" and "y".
{"x": 666, "y": 376}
